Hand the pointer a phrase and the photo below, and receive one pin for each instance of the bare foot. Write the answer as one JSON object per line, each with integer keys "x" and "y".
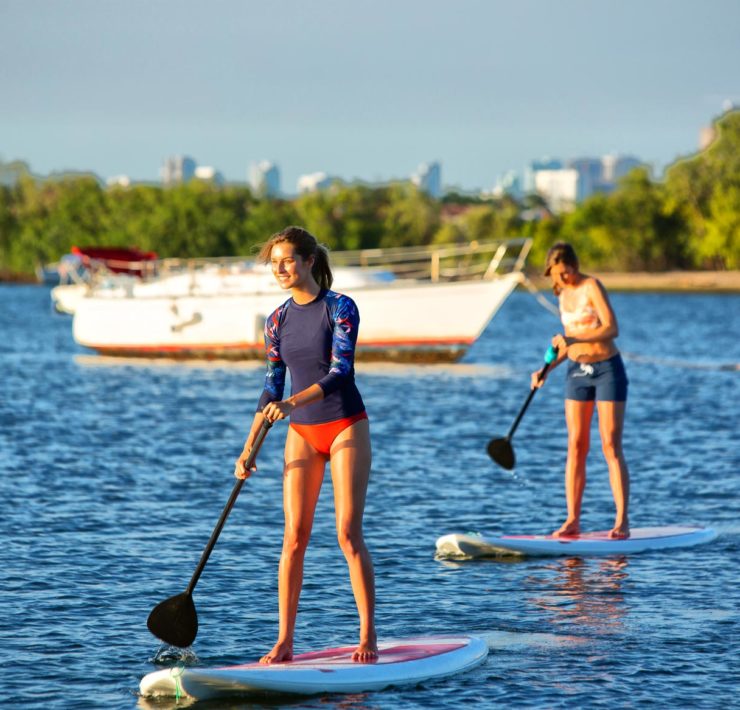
{"x": 620, "y": 532}
{"x": 281, "y": 651}
{"x": 367, "y": 651}
{"x": 568, "y": 529}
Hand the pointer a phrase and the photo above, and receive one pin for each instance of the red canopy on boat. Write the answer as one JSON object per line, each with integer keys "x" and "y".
{"x": 126, "y": 260}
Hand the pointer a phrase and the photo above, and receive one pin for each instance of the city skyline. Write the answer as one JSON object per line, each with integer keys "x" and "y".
{"x": 364, "y": 94}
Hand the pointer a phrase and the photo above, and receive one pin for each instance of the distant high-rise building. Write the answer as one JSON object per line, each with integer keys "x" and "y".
{"x": 264, "y": 177}
{"x": 590, "y": 172}
{"x": 617, "y": 166}
{"x": 558, "y": 187}
{"x": 508, "y": 184}
{"x": 564, "y": 186}
{"x": 208, "y": 173}
{"x": 528, "y": 183}
{"x": 178, "y": 169}
{"x": 428, "y": 178}
{"x": 313, "y": 182}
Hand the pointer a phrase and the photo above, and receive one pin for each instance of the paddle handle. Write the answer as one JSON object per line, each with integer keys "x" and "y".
{"x": 550, "y": 356}
{"x": 229, "y": 505}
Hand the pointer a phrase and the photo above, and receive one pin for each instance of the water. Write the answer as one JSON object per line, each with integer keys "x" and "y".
{"x": 113, "y": 474}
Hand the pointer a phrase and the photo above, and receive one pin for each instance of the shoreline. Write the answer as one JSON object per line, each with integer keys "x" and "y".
{"x": 664, "y": 281}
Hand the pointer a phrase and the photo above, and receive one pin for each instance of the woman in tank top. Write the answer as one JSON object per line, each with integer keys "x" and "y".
{"x": 596, "y": 376}
{"x": 312, "y": 335}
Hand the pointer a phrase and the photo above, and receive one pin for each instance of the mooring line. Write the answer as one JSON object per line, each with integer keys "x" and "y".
{"x": 685, "y": 364}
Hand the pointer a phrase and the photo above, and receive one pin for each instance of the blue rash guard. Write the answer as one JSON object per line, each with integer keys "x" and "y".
{"x": 316, "y": 342}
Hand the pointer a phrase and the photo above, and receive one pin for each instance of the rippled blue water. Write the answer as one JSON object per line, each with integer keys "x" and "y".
{"x": 113, "y": 475}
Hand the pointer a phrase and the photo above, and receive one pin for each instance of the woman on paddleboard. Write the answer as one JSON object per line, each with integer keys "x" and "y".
{"x": 595, "y": 374}
{"x": 313, "y": 335}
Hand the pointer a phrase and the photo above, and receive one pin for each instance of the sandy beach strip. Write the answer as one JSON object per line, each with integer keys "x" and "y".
{"x": 698, "y": 281}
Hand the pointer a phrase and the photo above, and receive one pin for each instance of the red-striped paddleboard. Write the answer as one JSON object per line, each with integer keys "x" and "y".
{"x": 588, "y": 543}
{"x": 400, "y": 662}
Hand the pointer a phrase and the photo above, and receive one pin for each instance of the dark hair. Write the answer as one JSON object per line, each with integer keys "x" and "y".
{"x": 306, "y": 246}
{"x": 560, "y": 253}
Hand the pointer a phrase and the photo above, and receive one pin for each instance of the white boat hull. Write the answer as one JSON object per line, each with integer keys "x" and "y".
{"x": 66, "y": 297}
{"x": 400, "y": 321}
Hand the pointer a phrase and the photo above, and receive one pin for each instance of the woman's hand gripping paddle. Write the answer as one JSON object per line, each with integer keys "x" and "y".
{"x": 500, "y": 450}
{"x": 174, "y": 620}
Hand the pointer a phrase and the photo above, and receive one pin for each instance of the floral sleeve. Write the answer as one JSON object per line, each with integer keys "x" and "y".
{"x": 275, "y": 376}
{"x": 346, "y": 326}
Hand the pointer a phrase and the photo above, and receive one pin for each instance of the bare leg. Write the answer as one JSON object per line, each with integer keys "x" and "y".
{"x": 611, "y": 426}
{"x": 350, "y": 471}
{"x": 304, "y": 471}
{"x": 578, "y": 418}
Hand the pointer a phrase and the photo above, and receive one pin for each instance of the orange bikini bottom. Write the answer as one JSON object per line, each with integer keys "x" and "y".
{"x": 322, "y": 436}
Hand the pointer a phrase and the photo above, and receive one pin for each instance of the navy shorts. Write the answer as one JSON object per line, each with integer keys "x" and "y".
{"x": 604, "y": 381}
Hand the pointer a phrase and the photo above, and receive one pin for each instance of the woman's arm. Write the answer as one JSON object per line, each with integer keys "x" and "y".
{"x": 344, "y": 339}
{"x": 272, "y": 391}
{"x": 239, "y": 470}
{"x": 276, "y": 370}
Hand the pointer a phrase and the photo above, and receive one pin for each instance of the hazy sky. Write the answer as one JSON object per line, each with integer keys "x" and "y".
{"x": 359, "y": 89}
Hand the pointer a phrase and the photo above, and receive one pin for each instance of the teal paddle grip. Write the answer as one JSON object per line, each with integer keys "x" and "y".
{"x": 551, "y": 355}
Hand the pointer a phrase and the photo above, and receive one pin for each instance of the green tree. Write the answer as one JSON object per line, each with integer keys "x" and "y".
{"x": 410, "y": 218}
{"x": 264, "y": 217}
{"x": 704, "y": 190}
{"x": 721, "y": 243}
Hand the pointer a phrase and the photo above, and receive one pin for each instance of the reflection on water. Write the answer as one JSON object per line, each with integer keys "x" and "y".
{"x": 509, "y": 640}
{"x": 588, "y": 593}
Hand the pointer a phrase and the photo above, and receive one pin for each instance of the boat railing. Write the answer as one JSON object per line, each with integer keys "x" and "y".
{"x": 463, "y": 262}
{"x": 474, "y": 260}
{"x": 92, "y": 271}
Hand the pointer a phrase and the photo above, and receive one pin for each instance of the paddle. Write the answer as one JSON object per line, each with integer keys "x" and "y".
{"x": 500, "y": 450}
{"x": 174, "y": 620}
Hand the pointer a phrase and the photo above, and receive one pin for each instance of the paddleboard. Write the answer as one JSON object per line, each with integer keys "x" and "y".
{"x": 588, "y": 543}
{"x": 407, "y": 661}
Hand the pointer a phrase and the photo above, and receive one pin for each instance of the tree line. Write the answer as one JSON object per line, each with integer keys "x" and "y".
{"x": 688, "y": 220}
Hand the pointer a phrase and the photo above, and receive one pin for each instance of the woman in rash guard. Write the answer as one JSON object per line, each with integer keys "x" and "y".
{"x": 313, "y": 335}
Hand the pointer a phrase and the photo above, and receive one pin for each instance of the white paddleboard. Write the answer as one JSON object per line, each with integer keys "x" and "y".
{"x": 588, "y": 543}
{"x": 400, "y": 662}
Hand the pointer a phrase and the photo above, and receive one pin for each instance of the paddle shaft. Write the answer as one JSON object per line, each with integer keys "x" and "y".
{"x": 532, "y": 391}
{"x": 229, "y": 505}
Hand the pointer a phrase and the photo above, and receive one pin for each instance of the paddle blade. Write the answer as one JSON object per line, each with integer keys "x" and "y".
{"x": 501, "y": 451}
{"x": 175, "y": 620}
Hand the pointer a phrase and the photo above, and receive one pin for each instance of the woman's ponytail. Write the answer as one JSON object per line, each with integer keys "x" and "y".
{"x": 321, "y": 270}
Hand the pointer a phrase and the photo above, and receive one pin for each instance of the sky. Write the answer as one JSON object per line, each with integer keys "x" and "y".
{"x": 360, "y": 89}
